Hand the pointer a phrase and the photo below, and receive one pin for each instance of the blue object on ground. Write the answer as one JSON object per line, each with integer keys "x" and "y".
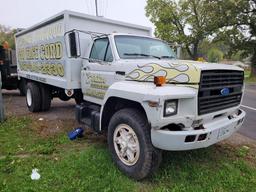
{"x": 78, "y": 132}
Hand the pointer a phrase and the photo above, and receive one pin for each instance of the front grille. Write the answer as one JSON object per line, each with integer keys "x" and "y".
{"x": 212, "y": 82}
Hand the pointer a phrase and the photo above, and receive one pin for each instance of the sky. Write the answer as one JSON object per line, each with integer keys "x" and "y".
{"x": 25, "y": 13}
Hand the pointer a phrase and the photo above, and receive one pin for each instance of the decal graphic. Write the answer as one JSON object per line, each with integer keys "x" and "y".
{"x": 41, "y": 50}
{"x": 97, "y": 85}
{"x": 44, "y": 59}
{"x": 174, "y": 73}
{"x": 95, "y": 93}
{"x": 49, "y": 69}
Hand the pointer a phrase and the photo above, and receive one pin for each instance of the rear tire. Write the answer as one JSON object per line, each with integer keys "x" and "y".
{"x": 78, "y": 95}
{"x": 46, "y": 97}
{"x": 33, "y": 97}
{"x": 63, "y": 96}
{"x": 130, "y": 144}
{"x": 22, "y": 87}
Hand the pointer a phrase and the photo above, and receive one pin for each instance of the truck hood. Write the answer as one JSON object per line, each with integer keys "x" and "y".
{"x": 175, "y": 71}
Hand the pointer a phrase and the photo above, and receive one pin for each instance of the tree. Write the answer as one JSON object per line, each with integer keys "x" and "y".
{"x": 187, "y": 22}
{"x": 209, "y": 44}
{"x": 214, "y": 55}
{"x": 240, "y": 29}
{"x": 7, "y": 34}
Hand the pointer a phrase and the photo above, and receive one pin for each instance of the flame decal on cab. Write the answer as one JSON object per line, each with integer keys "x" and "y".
{"x": 174, "y": 73}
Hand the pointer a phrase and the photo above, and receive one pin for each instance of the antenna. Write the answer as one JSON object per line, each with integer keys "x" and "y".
{"x": 96, "y": 7}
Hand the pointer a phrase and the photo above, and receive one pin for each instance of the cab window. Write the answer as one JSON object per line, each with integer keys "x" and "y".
{"x": 101, "y": 50}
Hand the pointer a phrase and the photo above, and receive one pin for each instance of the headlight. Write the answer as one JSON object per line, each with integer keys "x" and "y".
{"x": 170, "y": 107}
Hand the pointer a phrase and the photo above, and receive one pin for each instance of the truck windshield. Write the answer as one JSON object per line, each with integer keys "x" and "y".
{"x": 130, "y": 47}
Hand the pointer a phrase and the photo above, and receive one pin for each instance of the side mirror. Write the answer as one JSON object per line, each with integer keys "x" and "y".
{"x": 74, "y": 45}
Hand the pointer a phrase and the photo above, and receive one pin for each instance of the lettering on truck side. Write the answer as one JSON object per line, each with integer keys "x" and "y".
{"x": 97, "y": 86}
{"x": 52, "y": 51}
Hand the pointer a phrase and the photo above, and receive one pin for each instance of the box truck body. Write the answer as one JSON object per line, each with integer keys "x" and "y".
{"x": 42, "y": 51}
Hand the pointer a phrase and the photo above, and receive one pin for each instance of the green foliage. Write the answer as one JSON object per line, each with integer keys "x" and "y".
{"x": 186, "y": 22}
{"x": 192, "y": 22}
{"x": 83, "y": 165}
{"x": 214, "y": 55}
{"x": 239, "y": 31}
{"x": 16, "y": 137}
{"x": 207, "y": 45}
{"x": 238, "y": 56}
{"x": 7, "y": 34}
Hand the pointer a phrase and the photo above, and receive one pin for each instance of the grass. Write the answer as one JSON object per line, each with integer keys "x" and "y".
{"x": 247, "y": 73}
{"x": 82, "y": 166}
{"x": 248, "y": 78}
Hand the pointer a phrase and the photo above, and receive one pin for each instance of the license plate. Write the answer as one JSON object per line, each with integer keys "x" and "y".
{"x": 224, "y": 131}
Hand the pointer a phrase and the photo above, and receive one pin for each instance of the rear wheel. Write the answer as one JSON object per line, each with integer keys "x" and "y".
{"x": 78, "y": 95}
{"x": 33, "y": 97}
{"x": 63, "y": 97}
{"x": 22, "y": 87}
{"x": 46, "y": 97}
{"x": 130, "y": 144}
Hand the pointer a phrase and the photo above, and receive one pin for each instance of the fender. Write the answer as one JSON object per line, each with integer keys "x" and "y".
{"x": 143, "y": 92}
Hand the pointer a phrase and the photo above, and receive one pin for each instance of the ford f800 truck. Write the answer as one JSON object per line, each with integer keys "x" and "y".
{"x": 130, "y": 85}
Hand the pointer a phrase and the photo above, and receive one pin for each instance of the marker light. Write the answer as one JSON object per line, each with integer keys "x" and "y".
{"x": 159, "y": 80}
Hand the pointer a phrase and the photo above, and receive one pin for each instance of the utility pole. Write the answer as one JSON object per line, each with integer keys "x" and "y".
{"x": 96, "y": 7}
{"x": 1, "y": 101}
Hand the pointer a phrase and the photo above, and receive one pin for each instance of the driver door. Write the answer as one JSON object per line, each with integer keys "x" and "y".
{"x": 99, "y": 73}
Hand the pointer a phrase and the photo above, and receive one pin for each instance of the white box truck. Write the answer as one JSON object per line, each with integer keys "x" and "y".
{"x": 130, "y": 85}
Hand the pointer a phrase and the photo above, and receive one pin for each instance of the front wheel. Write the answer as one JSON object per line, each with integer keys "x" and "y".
{"x": 130, "y": 144}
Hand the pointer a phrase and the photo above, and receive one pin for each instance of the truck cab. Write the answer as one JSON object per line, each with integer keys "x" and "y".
{"x": 186, "y": 104}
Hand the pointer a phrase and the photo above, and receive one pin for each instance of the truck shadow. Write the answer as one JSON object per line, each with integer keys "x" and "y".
{"x": 10, "y": 92}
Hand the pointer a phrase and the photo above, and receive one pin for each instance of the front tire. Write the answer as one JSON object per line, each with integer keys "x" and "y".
{"x": 130, "y": 144}
{"x": 33, "y": 97}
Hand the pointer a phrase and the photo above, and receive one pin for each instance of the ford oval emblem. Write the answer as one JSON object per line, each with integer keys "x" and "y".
{"x": 225, "y": 91}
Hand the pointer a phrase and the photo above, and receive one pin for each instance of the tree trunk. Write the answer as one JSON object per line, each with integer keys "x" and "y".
{"x": 189, "y": 52}
{"x": 195, "y": 51}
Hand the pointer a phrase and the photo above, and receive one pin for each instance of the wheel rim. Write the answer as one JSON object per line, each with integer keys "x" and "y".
{"x": 126, "y": 144}
{"x": 29, "y": 97}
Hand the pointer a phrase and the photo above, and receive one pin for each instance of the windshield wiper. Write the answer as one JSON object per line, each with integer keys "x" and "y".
{"x": 141, "y": 54}
{"x": 167, "y": 56}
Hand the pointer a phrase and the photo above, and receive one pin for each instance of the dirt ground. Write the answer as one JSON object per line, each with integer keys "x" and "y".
{"x": 59, "y": 118}
{"x": 62, "y": 116}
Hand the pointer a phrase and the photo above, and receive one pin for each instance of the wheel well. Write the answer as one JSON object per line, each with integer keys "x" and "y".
{"x": 113, "y": 105}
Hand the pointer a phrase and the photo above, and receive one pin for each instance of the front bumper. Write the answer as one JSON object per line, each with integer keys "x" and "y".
{"x": 212, "y": 133}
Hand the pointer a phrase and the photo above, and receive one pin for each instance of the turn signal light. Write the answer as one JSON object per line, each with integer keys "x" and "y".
{"x": 159, "y": 80}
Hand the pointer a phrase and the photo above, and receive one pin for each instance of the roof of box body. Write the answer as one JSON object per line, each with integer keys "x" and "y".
{"x": 80, "y": 15}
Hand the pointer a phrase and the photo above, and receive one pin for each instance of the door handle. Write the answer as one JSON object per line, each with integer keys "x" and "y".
{"x": 120, "y": 73}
